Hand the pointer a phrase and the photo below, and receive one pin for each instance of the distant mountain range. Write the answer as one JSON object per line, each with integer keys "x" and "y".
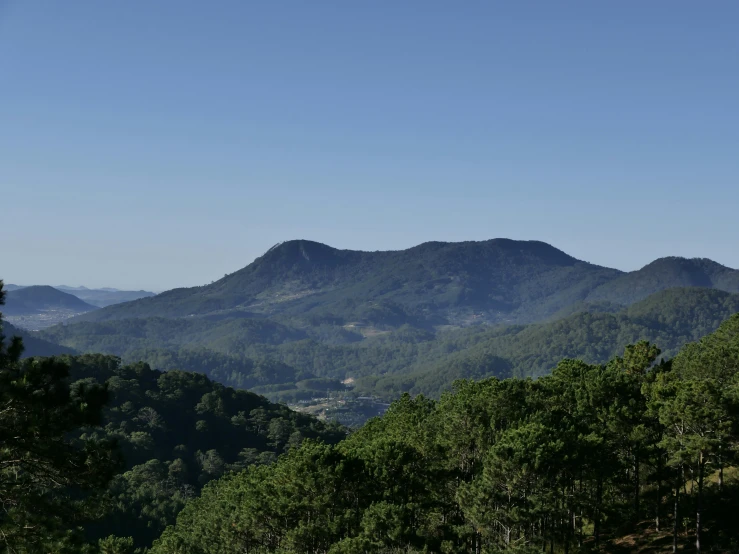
{"x": 435, "y": 283}
{"x": 40, "y": 298}
{"x": 98, "y": 298}
{"x": 105, "y": 296}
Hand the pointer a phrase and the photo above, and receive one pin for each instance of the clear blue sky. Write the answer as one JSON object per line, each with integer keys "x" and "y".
{"x": 160, "y": 144}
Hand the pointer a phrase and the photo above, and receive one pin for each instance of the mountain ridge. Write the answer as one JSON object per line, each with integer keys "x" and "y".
{"x": 433, "y": 283}
{"x": 99, "y": 298}
{"x": 433, "y": 280}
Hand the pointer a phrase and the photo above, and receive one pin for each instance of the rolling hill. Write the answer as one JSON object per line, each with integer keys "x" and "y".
{"x": 38, "y": 298}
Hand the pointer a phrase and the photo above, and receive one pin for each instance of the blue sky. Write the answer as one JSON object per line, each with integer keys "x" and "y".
{"x": 162, "y": 144}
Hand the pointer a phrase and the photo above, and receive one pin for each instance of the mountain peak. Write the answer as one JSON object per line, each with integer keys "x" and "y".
{"x": 665, "y": 273}
{"x": 304, "y": 253}
{"x": 305, "y": 249}
{"x": 679, "y": 262}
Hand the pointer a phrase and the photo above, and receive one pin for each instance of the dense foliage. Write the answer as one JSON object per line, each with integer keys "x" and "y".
{"x": 33, "y": 345}
{"x": 48, "y": 475}
{"x": 565, "y": 462}
{"x": 177, "y": 431}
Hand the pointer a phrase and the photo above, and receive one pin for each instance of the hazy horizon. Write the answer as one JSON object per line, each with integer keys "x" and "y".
{"x": 153, "y": 146}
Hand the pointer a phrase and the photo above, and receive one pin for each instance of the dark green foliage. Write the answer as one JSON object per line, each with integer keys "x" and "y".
{"x": 33, "y": 344}
{"x": 567, "y": 462}
{"x": 177, "y": 431}
{"x": 47, "y": 473}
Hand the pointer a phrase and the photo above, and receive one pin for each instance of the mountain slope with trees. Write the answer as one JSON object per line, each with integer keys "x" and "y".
{"x": 669, "y": 318}
{"x": 33, "y": 345}
{"x": 272, "y": 358}
{"x": 177, "y": 431}
{"x": 573, "y": 461}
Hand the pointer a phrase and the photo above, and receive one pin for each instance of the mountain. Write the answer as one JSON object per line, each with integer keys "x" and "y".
{"x": 39, "y": 298}
{"x": 434, "y": 283}
{"x": 306, "y": 283}
{"x": 666, "y": 273}
{"x": 105, "y": 296}
{"x": 9, "y": 287}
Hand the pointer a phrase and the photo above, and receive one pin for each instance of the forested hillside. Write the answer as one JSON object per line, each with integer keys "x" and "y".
{"x": 574, "y": 461}
{"x": 670, "y": 318}
{"x": 33, "y": 345}
{"x": 177, "y": 431}
{"x": 273, "y": 358}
